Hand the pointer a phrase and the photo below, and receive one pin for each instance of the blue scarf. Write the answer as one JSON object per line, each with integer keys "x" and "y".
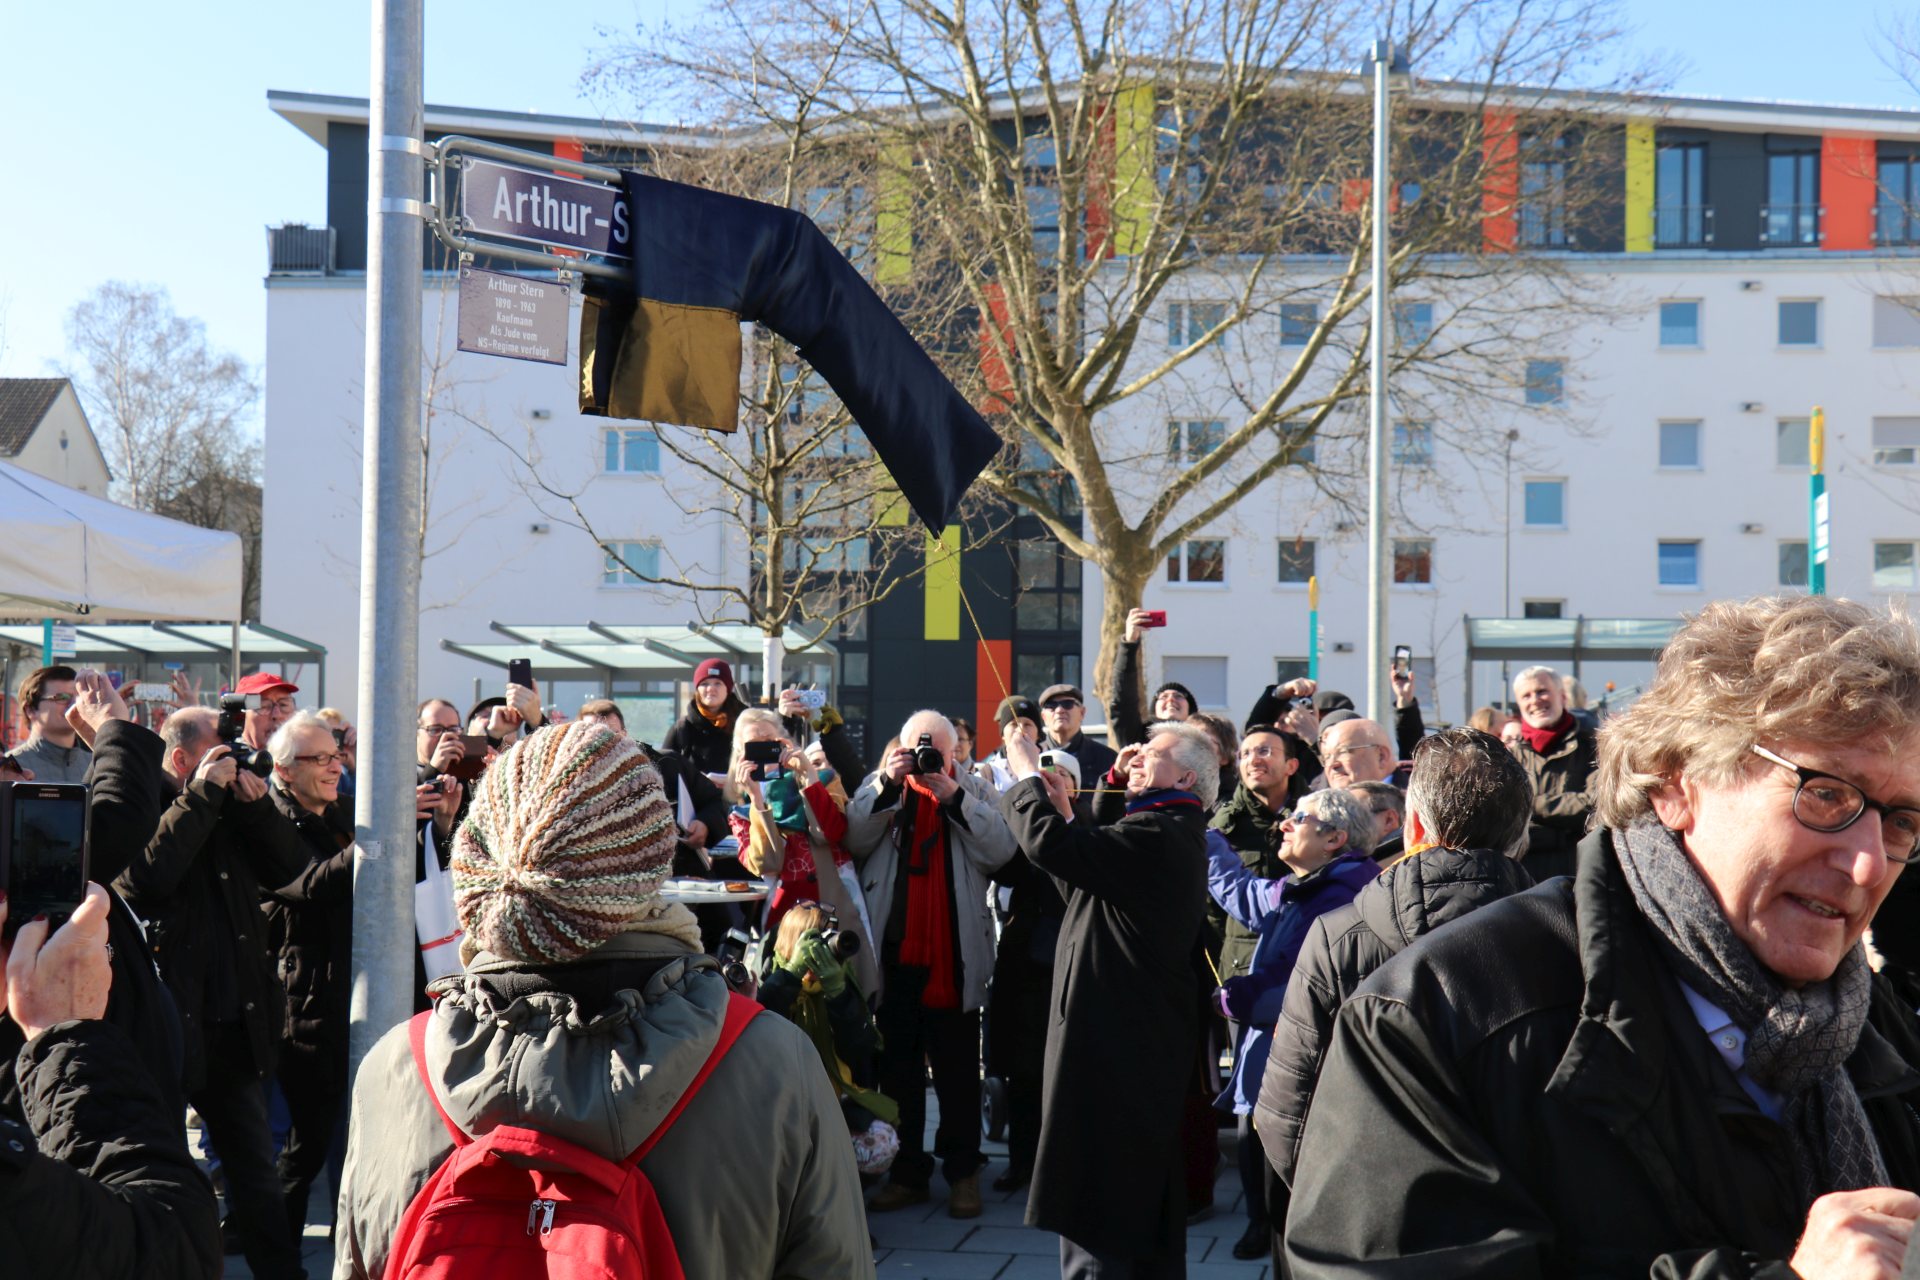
{"x": 1169, "y": 798}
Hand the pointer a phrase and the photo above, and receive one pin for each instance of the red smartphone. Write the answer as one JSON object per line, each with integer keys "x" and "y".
{"x": 1154, "y": 618}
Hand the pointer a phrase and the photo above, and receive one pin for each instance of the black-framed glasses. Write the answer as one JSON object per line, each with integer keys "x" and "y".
{"x": 325, "y": 760}
{"x": 1822, "y": 802}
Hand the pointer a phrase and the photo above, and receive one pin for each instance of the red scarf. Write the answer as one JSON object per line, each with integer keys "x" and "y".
{"x": 928, "y": 940}
{"x": 1545, "y": 740}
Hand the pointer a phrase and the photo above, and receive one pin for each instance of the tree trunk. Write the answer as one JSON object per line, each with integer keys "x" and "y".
{"x": 1121, "y": 593}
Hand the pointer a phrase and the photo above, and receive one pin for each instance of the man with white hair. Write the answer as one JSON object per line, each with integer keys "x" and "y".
{"x": 927, "y": 838}
{"x": 1559, "y": 755}
{"x": 1357, "y": 750}
{"x": 1109, "y": 1176}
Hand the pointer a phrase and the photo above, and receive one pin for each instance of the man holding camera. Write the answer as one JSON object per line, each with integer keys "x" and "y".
{"x": 928, "y": 837}
{"x": 198, "y": 883}
{"x": 274, "y": 708}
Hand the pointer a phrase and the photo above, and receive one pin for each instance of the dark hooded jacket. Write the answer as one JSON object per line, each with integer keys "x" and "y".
{"x": 1527, "y": 1093}
{"x": 1342, "y": 950}
{"x": 700, "y": 741}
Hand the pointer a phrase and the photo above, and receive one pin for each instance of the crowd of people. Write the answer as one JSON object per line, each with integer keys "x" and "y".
{"x": 1535, "y": 995}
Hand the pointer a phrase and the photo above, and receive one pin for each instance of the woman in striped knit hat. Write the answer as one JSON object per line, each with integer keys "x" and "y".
{"x": 585, "y": 1011}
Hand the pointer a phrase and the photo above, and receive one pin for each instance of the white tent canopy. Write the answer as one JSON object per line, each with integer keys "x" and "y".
{"x": 68, "y": 554}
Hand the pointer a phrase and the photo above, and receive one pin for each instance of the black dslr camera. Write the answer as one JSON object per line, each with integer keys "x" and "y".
{"x": 927, "y": 757}
{"x": 233, "y": 724}
{"x": 845, "y": 946}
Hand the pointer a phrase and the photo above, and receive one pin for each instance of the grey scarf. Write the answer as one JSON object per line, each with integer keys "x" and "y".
{"x": 1798, "y": 1041}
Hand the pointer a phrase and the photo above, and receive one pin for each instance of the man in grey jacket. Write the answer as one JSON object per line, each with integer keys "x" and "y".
{"x": 927, "y": 837}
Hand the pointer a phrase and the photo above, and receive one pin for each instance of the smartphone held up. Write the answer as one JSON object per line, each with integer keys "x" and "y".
{"x": 43, "y": 850}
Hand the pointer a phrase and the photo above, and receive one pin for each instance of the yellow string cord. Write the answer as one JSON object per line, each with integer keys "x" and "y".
{"x": 982, "y": 636}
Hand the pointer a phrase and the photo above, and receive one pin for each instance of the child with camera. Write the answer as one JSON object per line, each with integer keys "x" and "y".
{"x": 812, "y": 985}
{"x": 791, "y": 831}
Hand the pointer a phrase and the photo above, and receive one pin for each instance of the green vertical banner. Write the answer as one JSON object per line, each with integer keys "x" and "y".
{"x": 1818, "y": 531}
{"x": 1313, "y": 629}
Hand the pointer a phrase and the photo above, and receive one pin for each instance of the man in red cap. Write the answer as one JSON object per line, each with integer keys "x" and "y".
{"x": 276, "y": 706}
{"x": 704, "y": 736}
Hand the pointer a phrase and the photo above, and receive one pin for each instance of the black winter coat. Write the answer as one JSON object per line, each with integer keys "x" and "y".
{"x": 1561, "y": 806}
{"x": 312, "y": 934}
{"x": 1017, "y": 1013}
{"x": 1120, "y": 1048}
{"x": 1343, "y": 948}
{"x": 695, "y": 737}
{"x": 1094, "y": 758}
{"x": 110, "y": 1193}
{"x": 123, "y": 807}
{"x": 197, "y": 884}
{"x": 1527, "y": 1093}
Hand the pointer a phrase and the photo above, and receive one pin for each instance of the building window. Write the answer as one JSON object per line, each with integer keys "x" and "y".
{"x": 629, "y": 564}
{"x": 1896, "y": 218}
{"x": 1792, "y": 212}
{"x": 1199, "y": 560}
{"x": 1680, "y": 323}
{"x": 1800, "y": 323}
{"x": 1038, "y": 670}
{"x": 1546, "y": 381}
{"x": 1680, "y": 446}
{"x": 1206, "y": 677}
{"x": 1893, "y": 566}
{"x": 1413, "y": 561}
{"x": 1546, "y": 504}
{"x": 1793, "y": 562}
{"x": 1413, "y": 444}
{"x": 1542, "y": 608}
{"x": 1043, "y": 198}
{"x": 1681, "y": 218}
{"x": 1194, "y": 440}
{"x": 1048, "y": 580}
{"x": 1896, "y": 442}
{"x": 1294, "y": 433}
{"x": 1896, "y": 322}
{"x": 1680, "y": 564}
{"x": 1296, "y": 560}
{"x": 1543, "y": 193}
{"x": 1297, "y": 322}
{"x": 1412, "y": 323}
{"x": 631, "y": 451}
{"x": 1791, "y": 446}
{"x": 1188, "y": 322}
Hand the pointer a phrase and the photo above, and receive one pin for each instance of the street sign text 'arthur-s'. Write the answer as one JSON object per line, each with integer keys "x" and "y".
{"x": 541, "y": 208}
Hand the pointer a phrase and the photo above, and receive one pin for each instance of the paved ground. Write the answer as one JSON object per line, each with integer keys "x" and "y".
{"x": 924, "y": 1242}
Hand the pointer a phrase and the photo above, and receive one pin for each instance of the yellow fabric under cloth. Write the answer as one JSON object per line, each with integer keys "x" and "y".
{"x": 675, "y": 364}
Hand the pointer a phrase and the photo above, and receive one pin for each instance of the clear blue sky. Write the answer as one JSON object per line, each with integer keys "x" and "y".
{"x": 146, "y": 126}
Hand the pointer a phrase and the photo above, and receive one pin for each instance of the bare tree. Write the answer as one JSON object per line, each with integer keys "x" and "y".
{"x": 816, "y": 529}
{"x": 171, "y": 413}
{"x": 1138, "y": 205}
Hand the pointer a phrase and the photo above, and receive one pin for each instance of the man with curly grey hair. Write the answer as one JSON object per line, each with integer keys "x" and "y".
{"x": 1671, "y": 1063}
{"x": 1108, "y": 1177}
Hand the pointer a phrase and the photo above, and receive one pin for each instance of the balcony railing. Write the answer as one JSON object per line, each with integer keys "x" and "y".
{"x": 1683, "y": 226}
{"x": 1791, "y": 224}
{"x": 299, "y": 250}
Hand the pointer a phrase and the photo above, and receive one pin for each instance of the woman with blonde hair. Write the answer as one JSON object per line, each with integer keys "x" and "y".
{"x": 791, "y": 830}
{"x": 812, "y": 985}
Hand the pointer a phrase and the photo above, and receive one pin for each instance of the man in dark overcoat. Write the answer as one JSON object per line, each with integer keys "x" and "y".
{"x": 1109, "y": 1177}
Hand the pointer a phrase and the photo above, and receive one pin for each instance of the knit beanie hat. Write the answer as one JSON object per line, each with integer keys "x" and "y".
{"x": 564, "y": 847}
{"x": 714, "y": 669}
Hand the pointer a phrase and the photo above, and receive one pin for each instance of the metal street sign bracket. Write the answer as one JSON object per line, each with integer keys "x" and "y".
{"x": 575, "y": 213}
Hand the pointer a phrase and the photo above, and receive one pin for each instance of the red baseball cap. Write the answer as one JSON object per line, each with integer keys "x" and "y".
{"x": 262, "y": 683}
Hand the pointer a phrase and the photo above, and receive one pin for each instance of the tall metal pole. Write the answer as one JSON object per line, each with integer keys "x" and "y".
{"x": 1379, "y": 566}
{"x": 1817, "y": 528}
{"x": 383, "y": 930}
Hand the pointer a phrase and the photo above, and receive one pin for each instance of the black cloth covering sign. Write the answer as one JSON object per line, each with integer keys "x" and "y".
{"x": 703, "y": 263}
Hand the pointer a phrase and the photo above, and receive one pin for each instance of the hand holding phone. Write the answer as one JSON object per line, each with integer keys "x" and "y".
{"x": 57, "y": 975}
{"x": 43, "y": 850}
{"x": 1154, "y": 618}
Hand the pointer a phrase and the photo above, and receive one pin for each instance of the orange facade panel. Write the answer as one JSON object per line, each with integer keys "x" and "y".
{"x": 993, "y": 666}
{"x": 1499, "y": 180}
{"x": 1847, "y": 191}
{"x": 995, "y": 351}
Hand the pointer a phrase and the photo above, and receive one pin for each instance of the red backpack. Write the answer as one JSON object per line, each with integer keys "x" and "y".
{"x": 518, "y": 1204}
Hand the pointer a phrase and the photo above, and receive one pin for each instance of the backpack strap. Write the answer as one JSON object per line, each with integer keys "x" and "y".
{"x": 417, "y": 1034}
{"x": 740, "y": 1011}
